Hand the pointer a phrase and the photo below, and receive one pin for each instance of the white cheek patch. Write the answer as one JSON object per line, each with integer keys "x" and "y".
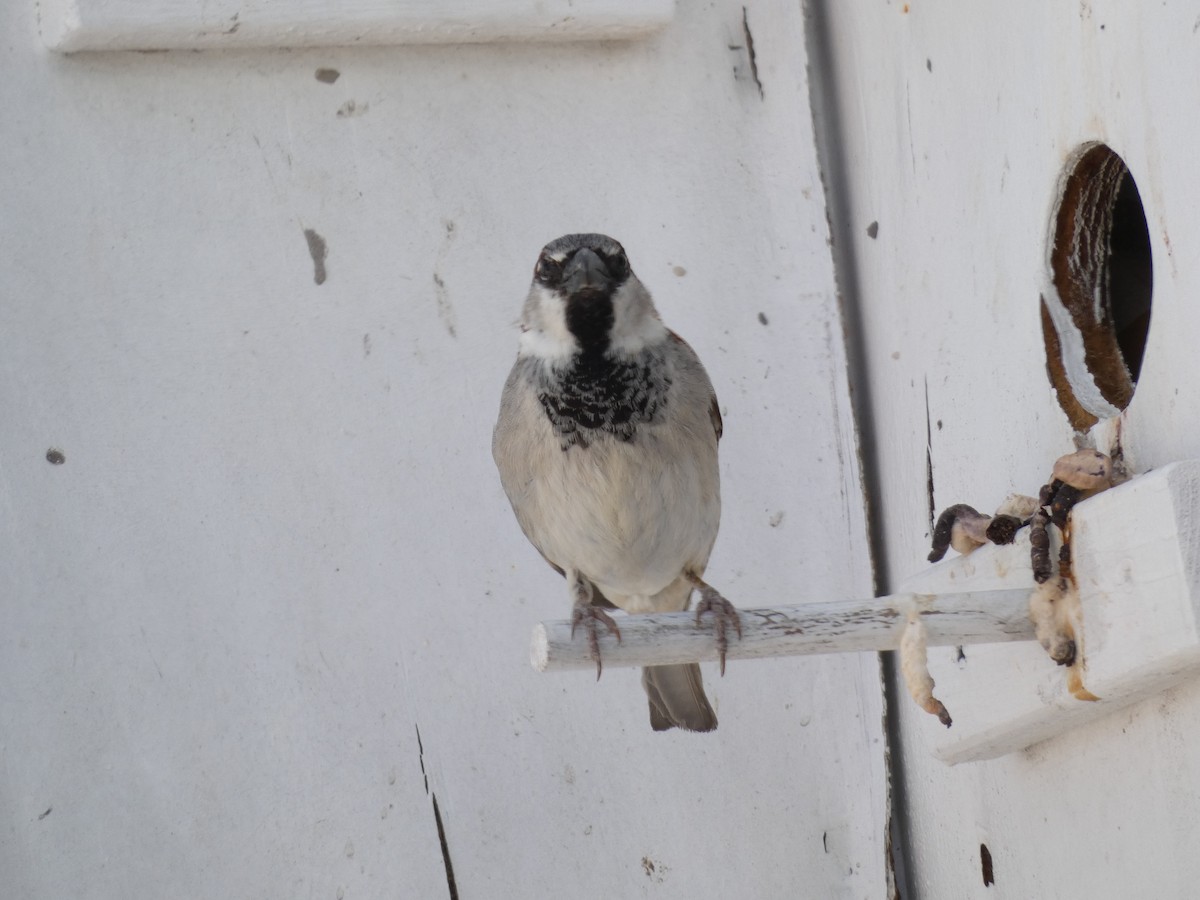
{"x": 635, "y": 324}
{"x": 545, "y": 335}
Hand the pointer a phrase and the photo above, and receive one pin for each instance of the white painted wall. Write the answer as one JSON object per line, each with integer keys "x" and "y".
{"x": 277, "y": 546}
{"x": 957, "y": 119}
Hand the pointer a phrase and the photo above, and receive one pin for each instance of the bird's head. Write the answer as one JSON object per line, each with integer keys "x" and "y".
{"x": 586, "y": 299}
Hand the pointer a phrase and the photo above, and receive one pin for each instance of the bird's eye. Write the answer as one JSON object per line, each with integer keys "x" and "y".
{"x": 547, "y": 270}
{"x": 618, "y": 265}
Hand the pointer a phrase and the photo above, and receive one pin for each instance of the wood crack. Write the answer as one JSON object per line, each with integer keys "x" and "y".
{"x": 750, "y": 51}
{"x": 451, "y": 884}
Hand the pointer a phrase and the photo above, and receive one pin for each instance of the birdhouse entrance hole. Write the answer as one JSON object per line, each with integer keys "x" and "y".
{"x": 1096, "y": 303}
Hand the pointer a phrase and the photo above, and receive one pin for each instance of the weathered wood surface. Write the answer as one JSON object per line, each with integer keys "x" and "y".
{"x": 952, "y": 147}
{"x": 846, "y": 626}
{"x": 273, "y": 603}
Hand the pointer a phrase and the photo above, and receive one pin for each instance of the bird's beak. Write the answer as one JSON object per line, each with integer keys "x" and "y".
{"x": 586, "y": 274}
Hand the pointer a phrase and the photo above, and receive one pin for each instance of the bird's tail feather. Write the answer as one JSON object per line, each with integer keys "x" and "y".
{"x": 677, "y": 698}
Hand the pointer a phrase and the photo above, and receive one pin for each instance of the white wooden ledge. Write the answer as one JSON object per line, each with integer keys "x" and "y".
{"x": 74, "y": 25}
{"x": 1136, "y": 552}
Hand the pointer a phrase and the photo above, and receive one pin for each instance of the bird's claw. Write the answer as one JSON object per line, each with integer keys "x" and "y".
{"x": 588, "y": 616}
{"x": 724, "y": 613}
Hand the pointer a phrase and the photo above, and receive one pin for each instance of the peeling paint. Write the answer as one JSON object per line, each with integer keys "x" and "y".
{"x": 352, "y": 108}
{"x": 445, "y": 308}
{"x": 318, "y": 249}
{"x": 985, "y": 861}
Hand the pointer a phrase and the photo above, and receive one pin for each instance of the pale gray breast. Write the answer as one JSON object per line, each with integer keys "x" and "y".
{"x": 629, "y": 513}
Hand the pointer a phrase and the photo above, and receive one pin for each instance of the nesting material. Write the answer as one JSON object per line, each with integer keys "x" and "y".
{"x": 1019, "y": 506}
{"x": 1054, "y": 605}
{"x": 1053, "y": 608}
{"x": 959, "y": 526}
{"x": 1087, "y": 470}
{"x": 964, "y": 528}
{"x": 1057, "y": 615}
{"x": 1003, "y": 529}
{"x": 914, "y": 666}
{"x": 1065, "y": 498}
{"x": 1076, "y": 476}
{"x": 1039, "y": 547}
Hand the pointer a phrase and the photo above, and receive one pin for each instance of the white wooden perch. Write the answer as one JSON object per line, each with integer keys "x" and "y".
{"x": 835, "y": 627}
{"x": 1136, "y": 551}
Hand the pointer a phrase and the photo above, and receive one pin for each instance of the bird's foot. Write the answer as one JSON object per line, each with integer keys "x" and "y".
{"x": 587, "y": 615}
{"x": 724, "y": 614}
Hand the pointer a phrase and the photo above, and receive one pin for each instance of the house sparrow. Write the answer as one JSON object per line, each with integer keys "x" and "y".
{"x": 607, "y": 449}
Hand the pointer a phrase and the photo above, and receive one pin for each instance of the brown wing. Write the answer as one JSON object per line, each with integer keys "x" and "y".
{"x": 714, "y": 408}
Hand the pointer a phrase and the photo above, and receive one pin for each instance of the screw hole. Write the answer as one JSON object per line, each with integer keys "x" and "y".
{"x": 1096, "y": 304}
